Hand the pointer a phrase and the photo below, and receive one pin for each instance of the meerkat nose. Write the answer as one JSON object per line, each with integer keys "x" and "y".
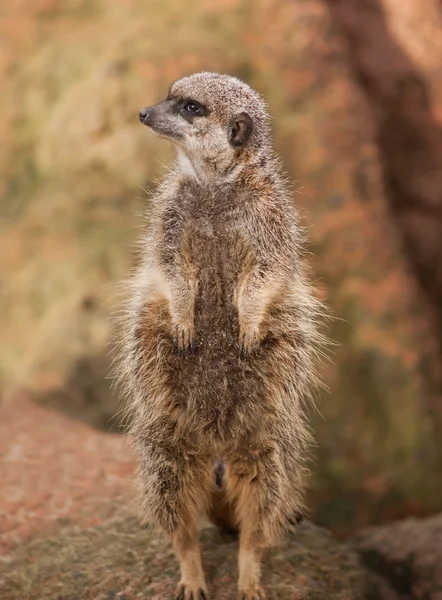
{"x": 144, "y": 115}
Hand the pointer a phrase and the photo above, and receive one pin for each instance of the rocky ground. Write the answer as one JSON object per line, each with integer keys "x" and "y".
{"x": 54, "y": 469}
{"x": 408, "y": 554}
{"x": 68, "y": 531}
{"x": 120, "y": 560}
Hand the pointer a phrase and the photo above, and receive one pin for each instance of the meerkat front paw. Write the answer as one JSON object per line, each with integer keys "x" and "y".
{"x": 191, "y": 592}
{"x": 249, "y": 341}
{"x": 253, "y": 593}
{"x": 184, "y": 338}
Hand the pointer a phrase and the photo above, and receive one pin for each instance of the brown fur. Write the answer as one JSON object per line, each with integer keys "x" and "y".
{"x": 220, "y": 336}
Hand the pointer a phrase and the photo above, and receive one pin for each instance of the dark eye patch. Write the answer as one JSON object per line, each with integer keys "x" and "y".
{"x": 189, "y": 109}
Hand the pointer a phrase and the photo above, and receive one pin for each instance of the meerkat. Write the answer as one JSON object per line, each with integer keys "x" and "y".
{"x": 220, "y": 333}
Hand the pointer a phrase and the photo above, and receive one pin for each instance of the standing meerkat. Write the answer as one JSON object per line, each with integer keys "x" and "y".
{"x": 220, "y": 333}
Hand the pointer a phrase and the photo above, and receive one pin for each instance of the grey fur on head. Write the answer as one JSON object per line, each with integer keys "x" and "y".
{"x": 227, "y": 96}
{"x": 233, "y": 122}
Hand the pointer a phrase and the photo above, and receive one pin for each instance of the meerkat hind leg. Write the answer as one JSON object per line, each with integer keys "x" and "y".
{"x": 249, "y": 562}
{"x": 248, "y": 479}
{"x": 192, "y": 585}
{"x": 175, "y": 488}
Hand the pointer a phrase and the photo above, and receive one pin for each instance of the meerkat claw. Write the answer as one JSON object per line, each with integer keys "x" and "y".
{"x": 183, "y": 340}
{"x": 243, "y": 352}
{"x": 256, "y": 594}
{"x": 185, "y": 592}
{"x": 247, "y": 346}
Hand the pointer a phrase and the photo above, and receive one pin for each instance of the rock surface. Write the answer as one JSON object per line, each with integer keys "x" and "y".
{"x": 67, "y": 529}
{"x": 53, "y": 468}
{"x": 408, "y": 554}
{"x": 121, "y": 560}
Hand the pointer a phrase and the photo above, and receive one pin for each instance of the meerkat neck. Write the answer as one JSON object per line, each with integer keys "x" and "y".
{"x": 207, "y": 172}
{"x": 186, "y": 165}
{"x": 217, "y": 171}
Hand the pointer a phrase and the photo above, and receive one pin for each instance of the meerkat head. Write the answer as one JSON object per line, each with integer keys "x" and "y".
{"x": 217, "y": 122}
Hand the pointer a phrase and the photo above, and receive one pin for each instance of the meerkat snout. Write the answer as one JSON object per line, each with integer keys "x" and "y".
{"x": 144, "y": 115}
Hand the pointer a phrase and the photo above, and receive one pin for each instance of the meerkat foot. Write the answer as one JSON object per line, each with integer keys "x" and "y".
{"x": 192, "y": 591}
{"x": 192, "y": 585}
{"x": 249, "y": 575}
{"x": 184, "y": 338}
{"x": 252, "y": 593}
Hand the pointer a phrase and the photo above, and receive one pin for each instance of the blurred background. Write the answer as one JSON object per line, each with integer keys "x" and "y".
{"x": 355, "y": 89}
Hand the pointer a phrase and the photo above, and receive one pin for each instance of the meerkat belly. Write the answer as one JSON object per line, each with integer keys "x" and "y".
{"x": 213, "y": 384}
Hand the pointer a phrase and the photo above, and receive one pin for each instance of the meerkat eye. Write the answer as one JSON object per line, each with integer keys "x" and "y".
{"x": 192, "y": 108}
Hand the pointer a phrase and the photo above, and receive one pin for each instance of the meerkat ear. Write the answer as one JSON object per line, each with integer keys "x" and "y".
{"x": 240, "y": 130}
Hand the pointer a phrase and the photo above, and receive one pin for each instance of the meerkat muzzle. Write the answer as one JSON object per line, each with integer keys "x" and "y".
{"x": 145, "y": 115}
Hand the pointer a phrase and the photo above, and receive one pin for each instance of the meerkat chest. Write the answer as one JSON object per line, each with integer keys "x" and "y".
{"x": 211, "y": 228}
{"x": 211, "y": 248}
{"x": 211, "y": 236}
{"x": 212, "y": 253}
{"x": 209, "y": 210}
